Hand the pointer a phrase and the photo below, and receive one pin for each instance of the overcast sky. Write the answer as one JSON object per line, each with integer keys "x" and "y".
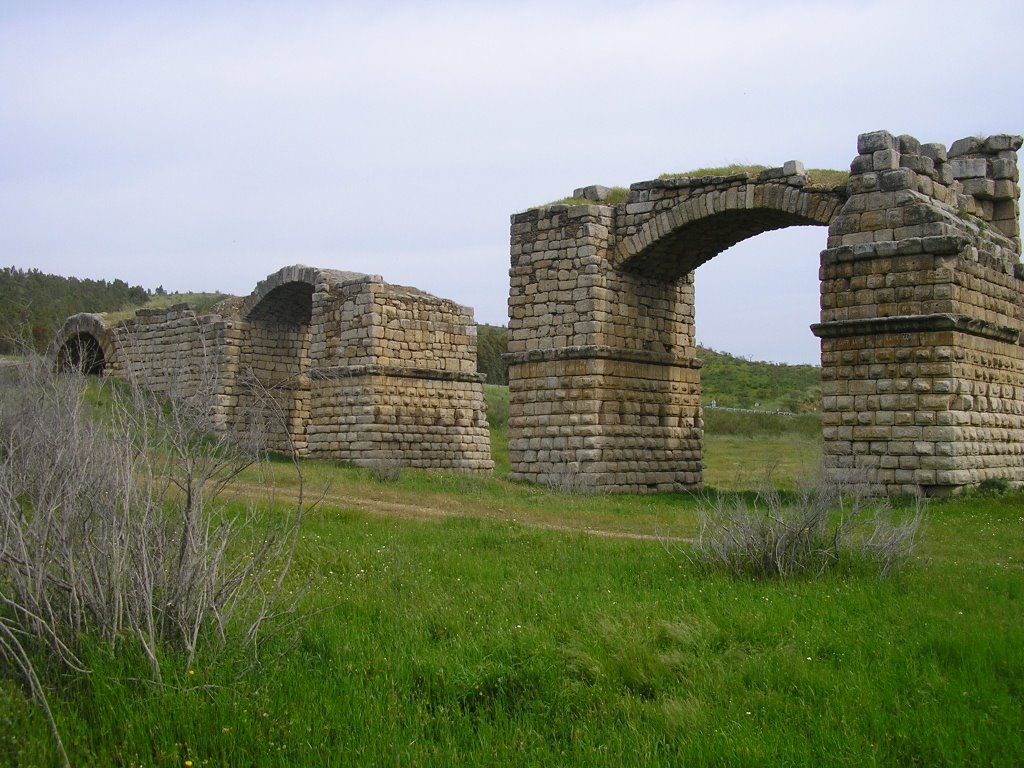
{"x": 203, "y": 145}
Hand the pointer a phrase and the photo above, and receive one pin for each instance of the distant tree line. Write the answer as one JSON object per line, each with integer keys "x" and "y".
{"x": 33, "y": 305}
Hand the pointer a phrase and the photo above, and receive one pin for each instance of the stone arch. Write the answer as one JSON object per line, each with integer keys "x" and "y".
{"x": 82, "y": 352}
{"x": 285, "y": 296}
{"x": 922, "y": 317}
{"x": 86, "y": 343}
{"x": 274, "y": 357}
{"x": 698, "y": 219}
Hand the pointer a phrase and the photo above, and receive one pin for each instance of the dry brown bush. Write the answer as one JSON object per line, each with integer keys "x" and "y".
{"x": 113, "y": 525}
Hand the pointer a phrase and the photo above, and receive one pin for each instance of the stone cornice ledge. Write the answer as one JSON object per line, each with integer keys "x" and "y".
{"x": 601, "y": 352}
{"x": 915, "y": 323}
{"x": 938, "y": 245}
{"x": 352, "y": 371}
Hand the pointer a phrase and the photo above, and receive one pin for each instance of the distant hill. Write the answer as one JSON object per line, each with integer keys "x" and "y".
{"x": 727, "y": 380}
{"x": 735, "y": 382}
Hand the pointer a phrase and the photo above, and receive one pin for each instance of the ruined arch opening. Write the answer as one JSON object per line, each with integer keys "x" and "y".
{"x": 290, "y": 303}
{"x": 758, "y": 298}
{"x": 274, "y": 361}
{"x": 82, "y": 353}
{"x": 756, "y": 301}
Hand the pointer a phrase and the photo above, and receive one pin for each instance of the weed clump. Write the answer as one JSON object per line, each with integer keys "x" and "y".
{"x": 808, "y": 534}
{"x": 385, "y": 470}
{"x": 994, "y": 486}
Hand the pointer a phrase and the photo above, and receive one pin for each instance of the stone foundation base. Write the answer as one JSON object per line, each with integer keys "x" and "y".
{"x": 606, "y": 420}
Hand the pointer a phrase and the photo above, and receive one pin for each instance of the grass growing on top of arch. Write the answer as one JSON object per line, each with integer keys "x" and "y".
{"x": 827, "y": 177}
{"x": 819, "y": 177}
{"x": 722, "y": 170}
{"x": 616, "y": 195}
{"x": 202, "y": 302}
{"x": 824, "y": 177}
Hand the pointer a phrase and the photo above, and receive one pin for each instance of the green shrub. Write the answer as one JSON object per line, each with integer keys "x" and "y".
{"x": 384, "y": 471}
{"x": 994, "y": 486}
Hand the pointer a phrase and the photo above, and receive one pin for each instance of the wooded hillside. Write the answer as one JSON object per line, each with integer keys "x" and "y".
{"x": 33, "y": 305}
{"x": 735, "y": 382}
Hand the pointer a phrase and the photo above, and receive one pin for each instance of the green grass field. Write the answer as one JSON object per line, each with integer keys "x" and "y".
{"x": 469, "y": 620}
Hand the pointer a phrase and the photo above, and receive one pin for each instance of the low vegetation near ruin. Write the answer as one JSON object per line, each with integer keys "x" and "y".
{"x": 453, "y": 618}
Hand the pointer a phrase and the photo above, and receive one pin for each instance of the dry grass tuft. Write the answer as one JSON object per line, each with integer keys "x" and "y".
{"x": 803, "y": 535}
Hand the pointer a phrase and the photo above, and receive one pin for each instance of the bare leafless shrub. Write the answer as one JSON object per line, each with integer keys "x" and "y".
{"x": 569, "y": 480}
{"x": 806, "y": 534}
{"x": 888, "y": 543}
{"x": 115, "y": 527}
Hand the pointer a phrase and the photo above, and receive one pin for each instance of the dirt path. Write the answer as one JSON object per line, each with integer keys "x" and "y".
{"x": 434, "y": 510}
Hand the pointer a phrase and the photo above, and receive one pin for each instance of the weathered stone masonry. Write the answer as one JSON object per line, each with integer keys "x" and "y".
{"x": 333, "y": 364}
{"x": 921, "y": 319}
{"x": 921, "y": 323}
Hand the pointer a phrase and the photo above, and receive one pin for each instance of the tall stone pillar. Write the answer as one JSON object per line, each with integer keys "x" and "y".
{"x": 921, "y": 318}
{"x": 604, "y": 386}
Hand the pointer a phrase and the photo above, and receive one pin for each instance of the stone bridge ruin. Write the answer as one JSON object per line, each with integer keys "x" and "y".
{"x": 333, "y": 364}
{"x": 922, "y": 308}
{"x": 922, "y": 312}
